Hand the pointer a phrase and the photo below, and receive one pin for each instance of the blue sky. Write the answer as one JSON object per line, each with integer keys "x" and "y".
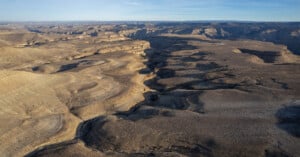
{"x": 107, "y": 10}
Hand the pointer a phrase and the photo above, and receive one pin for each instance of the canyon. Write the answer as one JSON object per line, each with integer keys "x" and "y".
{"x": 150, "y": 89}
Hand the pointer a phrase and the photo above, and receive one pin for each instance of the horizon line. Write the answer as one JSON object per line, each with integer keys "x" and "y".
{"x": 175, "y": 21}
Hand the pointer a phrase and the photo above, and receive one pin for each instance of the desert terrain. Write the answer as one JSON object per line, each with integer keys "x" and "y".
{"x": 144, "y": 89}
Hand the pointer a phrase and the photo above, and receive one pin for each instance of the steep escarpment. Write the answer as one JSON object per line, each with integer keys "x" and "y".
{"x": 279, "y": 33}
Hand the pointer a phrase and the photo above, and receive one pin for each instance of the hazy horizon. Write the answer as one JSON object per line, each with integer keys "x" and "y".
{"x": 155, "y": 10}
{"x": 150, "y": 21}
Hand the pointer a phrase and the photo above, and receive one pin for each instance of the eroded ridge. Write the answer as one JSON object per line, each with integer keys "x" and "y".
{"x": 53, "y": 81}
{"x": 147, "y": 90}
{"x": 207, "y": 101}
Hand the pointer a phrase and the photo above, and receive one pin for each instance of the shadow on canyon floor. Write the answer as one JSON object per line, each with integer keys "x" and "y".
{"x": 289, "y": 119}
{"x": 151, "y": 127}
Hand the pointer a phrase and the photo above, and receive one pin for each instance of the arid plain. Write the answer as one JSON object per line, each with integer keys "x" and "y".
{"x": 150, "y": 89}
